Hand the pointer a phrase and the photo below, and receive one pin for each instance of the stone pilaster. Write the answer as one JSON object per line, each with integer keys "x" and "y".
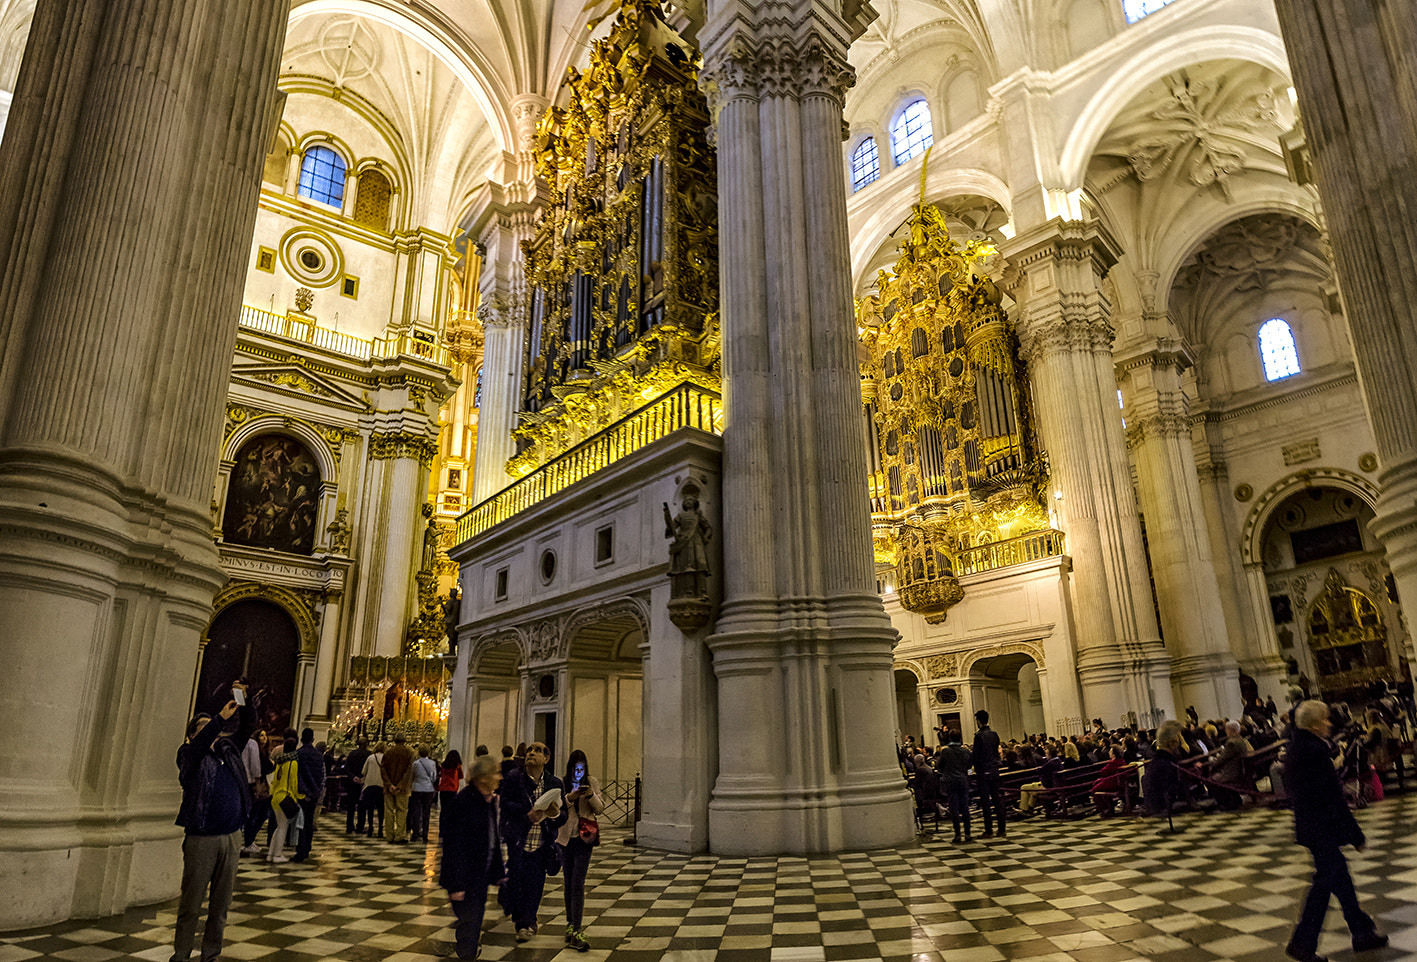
{"x": 1354, "y": 70}
{"x": 803, "y": 647}
{"x": 130, "y": 168}
{"x": 1203, "y": 668}
{"x": 1055, "y": 274}
{"x": 501, "y": 219}
{"x": 391, "y": 530}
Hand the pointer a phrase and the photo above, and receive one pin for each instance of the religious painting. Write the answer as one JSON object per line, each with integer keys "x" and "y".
{"x": 273, "y": 499}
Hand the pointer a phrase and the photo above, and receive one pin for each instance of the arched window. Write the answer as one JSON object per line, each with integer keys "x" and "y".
{"x": 322, "y": 176}
{"x": 1278, "y": 351}
{"x": 371, "y": 205}
{"x": 911, "y": 133}
{"x": 865, "y": 163}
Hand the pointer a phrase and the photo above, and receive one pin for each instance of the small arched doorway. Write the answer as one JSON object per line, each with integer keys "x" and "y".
{"x": 1007, "y": 686}
{"x": 908, "y": 717}
{"x": 495, "y": 696}
{"x": 604, "y": 698}
{"x": 256, "y": 640}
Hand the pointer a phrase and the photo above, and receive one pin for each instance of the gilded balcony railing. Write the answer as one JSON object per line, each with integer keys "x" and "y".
{"x": 687, "y": 406}
{"x": 1014, "y": 551}
{"x": 296, "y": 328}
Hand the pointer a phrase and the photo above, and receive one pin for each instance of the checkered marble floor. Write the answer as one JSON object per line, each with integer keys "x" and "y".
{"x": 1226, "y": 887}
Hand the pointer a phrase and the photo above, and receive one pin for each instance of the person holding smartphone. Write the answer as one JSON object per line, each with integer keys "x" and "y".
{"x": 216, "y": 801}
{"x": 579, "y": 836}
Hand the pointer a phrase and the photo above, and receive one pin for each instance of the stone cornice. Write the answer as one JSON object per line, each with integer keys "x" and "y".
{"x": 1065, "y": 240}
{"x": 1327, "y": 379}
{"x": 1157, "y": 352}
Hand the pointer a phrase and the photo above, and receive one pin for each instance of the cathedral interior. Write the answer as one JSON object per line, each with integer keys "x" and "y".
{"x": 729, "y": 391}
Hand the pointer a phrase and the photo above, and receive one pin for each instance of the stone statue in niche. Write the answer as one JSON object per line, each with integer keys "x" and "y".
{"x": 689, "y": 533}
{"x": 450, "y": 619}
{"x": 430, "y": 545}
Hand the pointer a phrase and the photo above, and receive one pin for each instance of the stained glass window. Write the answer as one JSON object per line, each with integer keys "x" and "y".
{"x": 1277, "y": 350}
{"x": 911, "y": 133}
{"x": 322, "y": 176}
{"x": 865, "y": 163}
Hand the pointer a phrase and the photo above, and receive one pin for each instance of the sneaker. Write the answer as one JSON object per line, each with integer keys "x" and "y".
{"x": 576, "y": 940}
{"x": 1303, "y": 955}
{"x": 524, "y": 935}
{"x": 278, "y": 859}
{"x": 250, "y": 850}
{"x": 1368, "y": 941}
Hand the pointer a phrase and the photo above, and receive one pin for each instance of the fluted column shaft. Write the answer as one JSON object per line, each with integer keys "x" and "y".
{"x": 1356, "y": 75}
{"x": 502, "y": 219}
{"x": 129, "y": 176}
{"x": 802, "y": 649}
{"x": 1066, "y": 336}
{"x": 1203, "y": 668}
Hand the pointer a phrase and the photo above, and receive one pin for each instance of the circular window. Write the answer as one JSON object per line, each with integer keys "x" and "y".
{"x": 546, "y": 686}
{"x": 548, "y": 566}
{"x": 311, "y": 257}
{"x": 946, "y": 696}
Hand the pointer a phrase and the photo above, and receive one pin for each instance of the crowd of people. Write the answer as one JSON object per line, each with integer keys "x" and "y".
{"x": 517, "y": 822}
{"x": 237, "y": 780}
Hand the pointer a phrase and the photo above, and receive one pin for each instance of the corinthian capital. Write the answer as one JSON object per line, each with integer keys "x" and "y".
{"x": 777, "y": 66}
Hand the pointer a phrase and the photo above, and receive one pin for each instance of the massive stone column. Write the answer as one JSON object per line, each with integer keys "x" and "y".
{"x": 1355, "y": 71}
{"x": 1055, "y": 274}
{"x": 129, "y": 175}
{"x": 1203, "y": 668}
{"x": 802, "y": 648}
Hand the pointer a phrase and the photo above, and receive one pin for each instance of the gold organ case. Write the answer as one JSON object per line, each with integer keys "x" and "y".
{"x": 956, "y": 472}
{"x": 623, "y": 269}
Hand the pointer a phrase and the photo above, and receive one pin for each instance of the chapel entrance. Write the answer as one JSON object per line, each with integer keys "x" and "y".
{"x": 256, "y": 640}
{"x": 1331, "y": 596}
{"x": 1007, "y": 686}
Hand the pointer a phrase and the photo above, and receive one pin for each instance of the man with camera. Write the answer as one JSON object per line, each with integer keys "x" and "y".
{"x": 216, "y": 801}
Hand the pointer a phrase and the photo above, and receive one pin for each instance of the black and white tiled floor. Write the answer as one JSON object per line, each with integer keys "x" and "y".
{"x": 1226, "y": 887}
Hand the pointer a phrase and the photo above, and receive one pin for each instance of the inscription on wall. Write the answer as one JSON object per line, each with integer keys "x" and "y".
{"x": 1301, "y": 451}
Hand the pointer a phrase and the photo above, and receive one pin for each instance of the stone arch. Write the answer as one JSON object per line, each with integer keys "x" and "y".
{"x": 1252, "y": 537}
{"x": 468, "y": 64}
{"x": 299, "y": 609}
{"x": 1028, "y": 648}
{"x": 913, "y": 668}
{"x": 325, "y": 453}
{"x": 483, "y": 644}
{"x": 616, "y": 608}
{"x": 881, "y": 214}
{"x": 1193, "y": 228}
{"x": 1128, "y": 79}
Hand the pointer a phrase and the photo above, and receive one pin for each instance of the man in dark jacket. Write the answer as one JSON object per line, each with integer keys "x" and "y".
{"x": 310, "y": 770}
{"x": 1323, "y": 824}
{"x": 216, "y": 801}
{"x": 472, "y": 851}
{"x": 986, "y": 774}
{"x": 530, "y": 835}
{"x": 952, "y": 764}
{"x": 354, "y": 768}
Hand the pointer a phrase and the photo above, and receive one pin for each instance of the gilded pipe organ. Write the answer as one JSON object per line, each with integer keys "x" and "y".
{"x": 623, "y": 269}
{"x": 955, "y": 467}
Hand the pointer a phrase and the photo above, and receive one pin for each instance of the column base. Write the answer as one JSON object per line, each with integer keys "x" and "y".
{"x": 104, "y": 591}
{"x": 806, "y": 758}
{"x": 1209, "y": 683}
